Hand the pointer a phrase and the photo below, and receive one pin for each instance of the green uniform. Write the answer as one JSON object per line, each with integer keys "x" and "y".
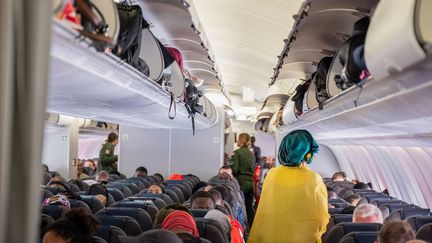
{"x": 243, "y": 162}
{"x": 107, "y": 159}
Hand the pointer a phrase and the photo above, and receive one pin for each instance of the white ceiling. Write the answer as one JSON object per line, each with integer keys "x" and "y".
{"x": 246, "y": 37}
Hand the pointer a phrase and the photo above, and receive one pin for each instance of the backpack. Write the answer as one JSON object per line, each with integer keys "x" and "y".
{"x": 320, "y": 79}
{"x": 130, "y": 38}
{"x": 191, "y": 99}
{"x": 299, "y": 96}
{"x": 351, "y": 56}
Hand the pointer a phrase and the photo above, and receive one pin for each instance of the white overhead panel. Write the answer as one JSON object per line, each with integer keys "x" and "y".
{"x": 246, "y": 37}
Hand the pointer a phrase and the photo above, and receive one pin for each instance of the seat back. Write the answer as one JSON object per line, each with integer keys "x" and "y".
{"x": 342, "y": 229}
{"x": 177, "y": 191}
{"x": 387, "y": 209}
{"x": 94, "y": 204}
{"x": 109, "y": 233}
{"x": 45, "y": 221}
{"x": 198, "y": 213}
{"x": 405, "y": 213}
{"x": 96, "y": 239}
{"x": 367, "y": 198}
{"x": 132, "y": 186}
{"x": 335, "y": 210}
{"x": 80, "y": 204}
{"x": 167, "y": 199}
{"x": 425, "y": 233}
{"x": 380, "y": 202}
{"x": 129, "y": 225}
{"x": 172, "y": 195}
{"x": 360, "y": 237}
{"x": 45, "y": 194}
{"x": 209, "y": 229}
{"x": 418, "y": 221}
{"x": 336, "y": 219}
{"x": 156, "y": 201}
{"x": 124, "y": 189}
{"x": 55, "y": 211}
{"x": 140, "y": 215}
{"x": 150, "y": 208}
{"x": 116, "y": 193}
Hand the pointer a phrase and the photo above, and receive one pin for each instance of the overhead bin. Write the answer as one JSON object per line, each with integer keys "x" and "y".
{"x": 100, "y": 86}
{"x": 263, "y": 122}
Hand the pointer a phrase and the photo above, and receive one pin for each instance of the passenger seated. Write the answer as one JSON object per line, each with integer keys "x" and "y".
{"x": 180, "y": 222}
{"x": 163, "y": 213}
{"x": 395, "y": 232}
{"x": 90, "y": 167}
{"x": 332, "y": 195}
{"x": 361, "y": 185}
{"x": 217, "y": 197}
{"x": 155, "y": 189}
{"x": 141, "y": 172}
{"x": 102, "y": 177}
{"x": 222, "y": 220}
{"x": 199, "y": 186}
{"x": 339, "y": 176}
{"x": 80, "y": 170}
{"x": 367, "y": 213}
{"x": 202, "y": 200}
{"x": 77, "y": 226}
{"x": 100, "y": 192}
{"x": 153, "y": 236}
{"x": 159, "y": 177}
{"x": 353, "y": 201}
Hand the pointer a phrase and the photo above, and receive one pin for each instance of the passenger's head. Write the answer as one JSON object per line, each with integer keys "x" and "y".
{"x": 58, "y": 184}
{"x": 297, "y": 147}
{"x": 226, "y": 169}
{"x": 353, "y": 199}
{"x": 225, "y": 177}
{"x": 155, "y": 189}
{"x": 180, "y": 222}
{"x": 90, "y": 164}
{"x": 223, "y": 191}
{"x": 202, "y": 200}
{"x": 77, "y": 226}
{"x": 199, "y": 186}
{"x": 339, "y": 176}
{"x": 102, "y": 177}
{"x": 252, "y": 140}
{"x": 112, "y": 138}
{"x": 100, "y": 192}
{"x": 367, "y": 213}
{"x": 159, "y": 177}
{"x": 153, "y": 236}
{"x": 45, "y": 168}
{"x": 163, "y": 213}
{"x": 141, "y": 172}
{"x": 361, "y": 185}
{"x": 80, "y": 166}
{"x": 396, "y": 232}
{"x": 217, "y": 197}
{"x": 221, "y": 218}
{"x": 243, "y": 139}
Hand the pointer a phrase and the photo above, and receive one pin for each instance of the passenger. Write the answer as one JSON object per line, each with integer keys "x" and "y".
{"x": 155, "y": 189}
{"x": 353, "y": 200}
{"x": 199, "y": 186}
{"x": 153, "y": 236}
{"x": 395, "y": 232}
{"x": 202, "y": 200}
{"x": 332, "y": 195}
{"x": 339, "y": 176}
{"x": 58, "y": 199}
{"x": 367, "y": 213}
{"x": 80, "y": 170}
{"x": 361, "y": 185}
{"x": 75, "y": 227}
{"x": 159, "y": 177}
{"x": 180, "y": 222}
{"x": 58, "y": 184}
{"x": 163, "y": 213}
{"x": 221, "y": 219}
{"x": 293, "y": 206}
{"x": 217, "y": 197}
{"x": 90, "y": 167}
{"x": 107, "y": 159}
{"x": 102, "y": 177}
{"x": 256, "y": 151}
{"x": 141, "y": 172}
{"x": 243, "y": 163}
{"x": 100, "y": 192}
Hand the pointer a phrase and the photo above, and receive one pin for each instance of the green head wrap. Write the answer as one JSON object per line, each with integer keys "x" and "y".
{"x": 295, "y": 146}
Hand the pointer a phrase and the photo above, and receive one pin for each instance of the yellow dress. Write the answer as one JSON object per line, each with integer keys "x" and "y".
{"x": 293, "y": 207}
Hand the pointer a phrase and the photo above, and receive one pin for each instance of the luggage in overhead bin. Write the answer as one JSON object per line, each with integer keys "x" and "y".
{"x": 192, "y": 97}
{"x": 299, "y": 96}
{"x": 130, "y": 38}
{"x": 289, "y": 113}
{"x": 100, "y": 22}
{"x": 320, "y": 79}
{"x": 311, "y": 100}
{"x": 351, "y": 56}
{"x": 399, "y": 36}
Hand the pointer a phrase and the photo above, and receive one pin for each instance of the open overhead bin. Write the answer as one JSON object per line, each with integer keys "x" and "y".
{"x": 100, "y": 86}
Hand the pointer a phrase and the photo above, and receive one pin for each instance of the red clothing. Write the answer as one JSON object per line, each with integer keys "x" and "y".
{"x": 236, "y": 231}
{"x": 176, "y": 177}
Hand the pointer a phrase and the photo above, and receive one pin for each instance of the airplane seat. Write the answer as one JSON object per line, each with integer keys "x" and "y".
{"x": 113, "y": 178}
{"x": 46, "y": 177}
{"x": 210, "y": 230}
{"x": 80, "y": 184}
{"x": 172, "y": 195}
{"x": 94, "y": 204}
{"x": 132, "y": 187}
{"x": 418, "y": 221}
{"x": 45, "y": 194}
{"x": 178, "y": 192}
{"x": 344, "y": 228}
{"x": 159, "y": 203}
{"x": 405, "y": 213}
{"x": 140, "y": 215}
{"x": 110, "y": 233}
{"x": 45, "y": 221}
{"x": 198, "y": 213}
{"x": 53, "y": 190}
{"x": 110, "y": 200}
{"x": 186, "y": 192}
{"x": 334, "y": 220}
{"x": 425, "y": 233}
{"x": 360, "y": 237}
{"x": 381, "y": 202}
{"x": 387, "y": 209}
{"x": 336, "y": 200}
{"x": 333, "y": 211}
{"x": 340, "y": 205}
{"x": 150, "y": 208}
{"x": 55, "y": 211}
{"x": 96, "y": 239}
{"x": 367, "y": 198}
{"x": 73, "y": 188}
{"x": 124, "y": 189}
{"x": 142, "y": 181}
{"x": 116, "y": 193}
{"x": 129, "y": 225}
{"x": 167, "y": 199}
{"x": 80, "y": 204}
{"x": 140, "y": 184}
{"x": 228, "y": 208}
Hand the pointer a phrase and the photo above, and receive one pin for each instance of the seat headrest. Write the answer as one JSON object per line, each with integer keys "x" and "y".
{"x": 353, "y": 227}
{"x": 198, "y": 213}
{"x": 409, "y": 212}
{"x": 360, "y": 237}
{"x": 55, "y": 211}
{"x": 425, "y": 233}
{"x": 339, "y": 218}
{"x": 94, "y": 204}
{"x": 129, "y": 225}
{"x": 110, "y": 233}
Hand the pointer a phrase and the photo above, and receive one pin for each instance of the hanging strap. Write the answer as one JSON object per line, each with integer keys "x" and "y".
{"x": 172, "y": 104}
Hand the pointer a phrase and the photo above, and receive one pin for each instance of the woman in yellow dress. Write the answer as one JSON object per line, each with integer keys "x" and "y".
{"x": 293, "y": 205}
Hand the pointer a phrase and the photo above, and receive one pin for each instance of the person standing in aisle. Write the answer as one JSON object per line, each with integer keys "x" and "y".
{"x": 243, "y": 163}
{"x": 107, "y": 158}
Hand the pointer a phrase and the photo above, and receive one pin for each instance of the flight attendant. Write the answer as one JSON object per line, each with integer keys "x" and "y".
{"x": 293, "y": 204}
{"x": 243, "y": 163}
{"x": 107, "y": 158}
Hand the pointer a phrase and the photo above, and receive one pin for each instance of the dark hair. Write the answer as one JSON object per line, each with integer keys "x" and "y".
{"x": 339, "y": 173}
{"x": 158, "y": 235}
{"x": 224, "y": 177}
{"x": 352, "y": 197}
{"x": 159, "y": 185}
{"x": 97, "y": 189}
{"x": 142, "y": 169}
{"x": 160, "y": 176}
{"x": 112, "y": 137}
{"x": 226, "y": 167}
{"x": 361, "y": 185}
{"x": 188, "y": 238}
{"x": 198, "y": 186}
{"x": 45, "y": 167}
{"x": 396, "y": 231}
{"x": 252, "y": 139}
{"x": 77, "y": 226}
{"x": 223, "y": 191}
{"x": 216, "y": 195}
{"x": 199, "y": 194}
